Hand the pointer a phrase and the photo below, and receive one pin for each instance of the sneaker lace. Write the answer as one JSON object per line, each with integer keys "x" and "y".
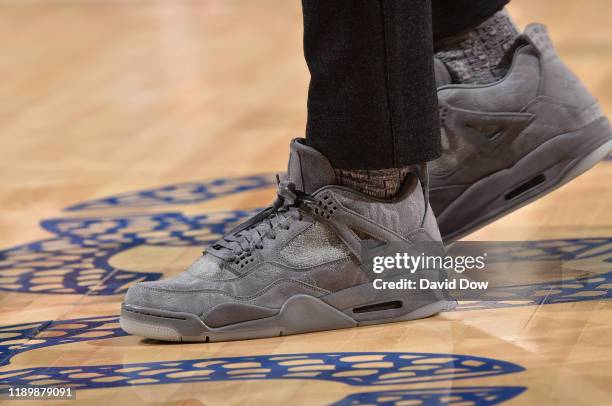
{"x": 250, "y": 235}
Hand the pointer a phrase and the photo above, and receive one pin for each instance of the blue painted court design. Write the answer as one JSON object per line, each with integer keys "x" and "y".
{"x": 360, "y": 369}
{"x": 478, "y": 396}
{"x": 78, "y": 256}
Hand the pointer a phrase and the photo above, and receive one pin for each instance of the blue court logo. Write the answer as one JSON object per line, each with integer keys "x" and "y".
{"x": 76, "y": 260}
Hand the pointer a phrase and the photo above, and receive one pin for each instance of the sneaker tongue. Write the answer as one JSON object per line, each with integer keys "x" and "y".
{"x": 308, "y": 169}
{"x": 443, "y": 76}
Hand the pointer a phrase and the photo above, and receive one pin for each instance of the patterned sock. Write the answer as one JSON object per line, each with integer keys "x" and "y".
{"x": 476, "y": 55}
{"x": 380, "y": 183}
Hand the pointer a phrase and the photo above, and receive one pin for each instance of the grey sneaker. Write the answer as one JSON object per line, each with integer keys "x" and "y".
{"x": 508, "y": 143}
{"x": 293, "y": 268}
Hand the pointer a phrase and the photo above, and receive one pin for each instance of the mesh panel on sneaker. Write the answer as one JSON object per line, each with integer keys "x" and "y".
{"x": 316, "y": 246}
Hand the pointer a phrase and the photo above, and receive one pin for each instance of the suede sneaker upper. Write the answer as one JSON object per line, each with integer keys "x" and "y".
{"x": 307, "y": 243}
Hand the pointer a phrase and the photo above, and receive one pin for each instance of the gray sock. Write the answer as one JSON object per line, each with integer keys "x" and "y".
{"x": 476, "y": 55}
{"x": 381, "y": 183}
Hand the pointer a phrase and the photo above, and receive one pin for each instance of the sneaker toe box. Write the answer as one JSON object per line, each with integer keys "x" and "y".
{"x": 168, "y": 295}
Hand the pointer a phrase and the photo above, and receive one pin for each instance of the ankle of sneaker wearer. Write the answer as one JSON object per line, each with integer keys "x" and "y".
{"x": 380, "y": 183}
{"x": 478, "y": 55}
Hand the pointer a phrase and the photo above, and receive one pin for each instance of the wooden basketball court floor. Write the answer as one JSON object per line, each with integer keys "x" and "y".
{"x": 134, "y": 132}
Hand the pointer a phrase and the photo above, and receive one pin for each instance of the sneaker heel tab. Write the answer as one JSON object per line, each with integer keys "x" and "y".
{"x": 537, "y": 36}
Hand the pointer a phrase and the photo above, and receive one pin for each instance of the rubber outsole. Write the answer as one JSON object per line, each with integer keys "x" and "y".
{"x": 299, "y": 314}
{"x": 544, "y": 180}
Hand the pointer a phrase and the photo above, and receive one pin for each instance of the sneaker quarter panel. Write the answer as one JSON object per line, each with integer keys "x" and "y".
{"x": 508, "y": 143}
{"x": 293, "y": 268}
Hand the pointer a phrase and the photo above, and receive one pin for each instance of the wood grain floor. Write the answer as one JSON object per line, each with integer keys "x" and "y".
{"x": 102, "y": 98}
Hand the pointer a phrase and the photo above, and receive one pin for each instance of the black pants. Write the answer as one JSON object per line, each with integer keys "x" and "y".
{"x": 372, "y": 100}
